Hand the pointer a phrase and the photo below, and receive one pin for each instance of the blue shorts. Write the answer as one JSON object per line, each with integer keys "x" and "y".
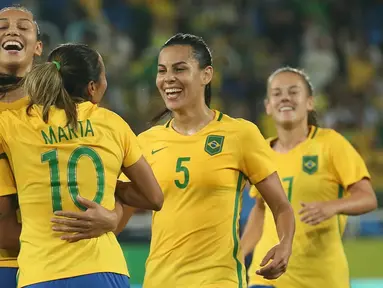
{"x": 8, "y": 277}
{"x": 261, "y": 286}
{"x": 96, "y": 280}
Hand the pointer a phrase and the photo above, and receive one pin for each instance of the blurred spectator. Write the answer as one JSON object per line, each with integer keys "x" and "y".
{"x": 319, "y": 59}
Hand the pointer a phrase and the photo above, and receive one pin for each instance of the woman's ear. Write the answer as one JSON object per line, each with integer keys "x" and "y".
{"x": 207, "y": 75}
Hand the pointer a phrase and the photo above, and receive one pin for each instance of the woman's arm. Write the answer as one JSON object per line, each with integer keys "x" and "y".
{"x": 144, "y": 191}
{"x": 254, "y": 227}
{"x": 362, "y": 200}
{"x": 350, "y": 170}
{"x": 10, "y": 228}
{"x": 127, "y": 213}
{"x": 272, "y": 192}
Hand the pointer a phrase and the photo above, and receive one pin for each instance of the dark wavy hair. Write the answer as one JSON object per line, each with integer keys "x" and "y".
{"x": 201, "y": 53}
{"x": 65, "y": 85}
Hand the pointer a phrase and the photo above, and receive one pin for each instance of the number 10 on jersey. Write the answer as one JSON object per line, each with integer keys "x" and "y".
{"x": 52, "y": 158}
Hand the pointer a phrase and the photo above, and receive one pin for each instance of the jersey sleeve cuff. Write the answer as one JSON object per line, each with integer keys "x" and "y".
{"x": 123, "y": 178}
{"x": 131, "y": 160}
{"x": 5, "y": 191}
{"x": 361, "y": 177}
{"x": 255, "y": 178}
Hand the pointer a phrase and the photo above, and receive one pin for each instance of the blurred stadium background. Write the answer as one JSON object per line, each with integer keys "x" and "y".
{"x": 339, "y": 43}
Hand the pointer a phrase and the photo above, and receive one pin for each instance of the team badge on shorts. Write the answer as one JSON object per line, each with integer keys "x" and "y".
{"x": 214, "y": 144}
{"x": 310, "y": 164}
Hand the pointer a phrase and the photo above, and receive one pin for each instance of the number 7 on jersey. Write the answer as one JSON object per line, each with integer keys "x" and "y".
{"x": 289, "y": 180}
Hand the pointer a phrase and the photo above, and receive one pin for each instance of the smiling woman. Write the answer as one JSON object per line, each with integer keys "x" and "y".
{"x": 174, "y": 92}
{"x": 202, "y": 202}
{"x": 19, "y": 44}
{"x": 318, "y": 168}
{"x": 303, "y": 82}
{"x": 19, "y": 36}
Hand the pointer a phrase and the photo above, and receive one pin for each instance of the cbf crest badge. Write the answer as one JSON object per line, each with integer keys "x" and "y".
{"x": 310, "y": 164}
{"x": 214, "y": 144}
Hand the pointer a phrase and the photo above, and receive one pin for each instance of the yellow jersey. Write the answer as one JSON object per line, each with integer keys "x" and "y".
{"x": 52, "y": 164}
{"x": 9, "y": 258}
{"x": 318, "y": 169}
{"x": 195, "y": 241}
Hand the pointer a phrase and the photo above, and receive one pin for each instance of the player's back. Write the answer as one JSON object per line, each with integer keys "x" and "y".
{"x": 52, "y": 164}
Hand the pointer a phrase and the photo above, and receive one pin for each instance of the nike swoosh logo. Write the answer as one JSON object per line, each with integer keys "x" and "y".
{"x": 158, "y": 150}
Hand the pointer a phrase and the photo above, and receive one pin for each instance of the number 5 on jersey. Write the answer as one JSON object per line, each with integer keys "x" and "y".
{"x": 181, "y": 168}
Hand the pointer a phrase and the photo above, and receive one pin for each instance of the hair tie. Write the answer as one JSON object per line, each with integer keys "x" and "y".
{"x": 58, "y": 65}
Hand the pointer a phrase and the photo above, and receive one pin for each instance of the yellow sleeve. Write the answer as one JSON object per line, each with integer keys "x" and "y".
{"x": 256, "y": 155}
{"x": 122, "y": 176}
{"x": 132, "y": 151}
{"x": 348, "y": 165}
{"x": 254, "y": 193}
{"x": 7, "y": 181}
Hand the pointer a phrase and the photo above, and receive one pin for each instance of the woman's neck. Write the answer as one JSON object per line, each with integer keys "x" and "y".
{"x": 13, "y": 95}
{"x": 290, "y": 138}
{"x": 190, "y": 121}
{"x": 15, "y": 70}
{"x": 13, "y": 73}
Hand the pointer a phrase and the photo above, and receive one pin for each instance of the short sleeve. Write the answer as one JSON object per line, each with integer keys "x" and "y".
{"x": 254, "y": 193}
{"x": 139, "y": 141}
{"x": 7, "y": 181}
{"x": 131, "y": 149}
{"x": 348, "y": 164}
{"x": 123, "y": 178}
{"x": 257, "y": 161}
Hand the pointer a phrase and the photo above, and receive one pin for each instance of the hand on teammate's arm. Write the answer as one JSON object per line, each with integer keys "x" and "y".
{"x": 92, "y": 223}
{"x": 144, "y": 191}
{"x": 272, "y": 192}
{"x": 362, "y": 200}
{"x": 9, "y": 223}
{"x": 254, "y": 227}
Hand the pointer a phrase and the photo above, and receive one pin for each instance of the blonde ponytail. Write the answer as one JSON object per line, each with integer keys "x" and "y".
{"x": 44, "y": 85}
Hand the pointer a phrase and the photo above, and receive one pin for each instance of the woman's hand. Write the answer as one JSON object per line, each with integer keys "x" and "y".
{"x": 317, "y": 212}
{"x": 279, "y": 255}
{"x": 92, "y": 223}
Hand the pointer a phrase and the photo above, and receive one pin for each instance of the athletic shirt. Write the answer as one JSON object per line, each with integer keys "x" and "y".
{"x": 195, "y": 237}
{"x": 52, "y": 164}
{"x": 318, "y": 169}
